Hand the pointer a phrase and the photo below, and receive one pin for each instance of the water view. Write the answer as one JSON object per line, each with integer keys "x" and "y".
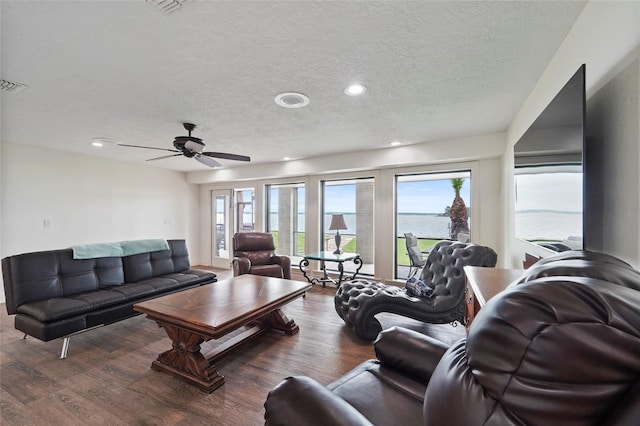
{"x": 423, "y": 225}
{"x": 548, "y": 225}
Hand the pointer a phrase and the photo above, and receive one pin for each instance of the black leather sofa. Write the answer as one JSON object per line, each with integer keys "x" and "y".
{"x": 561, "y": 347}
{"x": 54, "y": 295}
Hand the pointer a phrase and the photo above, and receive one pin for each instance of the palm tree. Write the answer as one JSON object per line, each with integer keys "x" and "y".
{"x": 458, "y": 212}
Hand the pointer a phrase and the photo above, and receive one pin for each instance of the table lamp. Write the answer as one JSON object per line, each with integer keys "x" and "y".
{"x": 337, "y": 223}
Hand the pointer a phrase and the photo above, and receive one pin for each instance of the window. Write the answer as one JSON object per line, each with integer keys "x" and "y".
{"x": 220, "y": 225}
{"x": 354, "y": 200}
{"x": 285, "y": 218}
{"x": 245, "y": 221}
{"x": 427, "y": 207}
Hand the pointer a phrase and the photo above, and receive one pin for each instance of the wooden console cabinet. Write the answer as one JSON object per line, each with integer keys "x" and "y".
{"x": 483, "y": 284}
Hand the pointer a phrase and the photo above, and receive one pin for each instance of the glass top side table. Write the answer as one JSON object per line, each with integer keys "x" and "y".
{"x": 328, "y": 256}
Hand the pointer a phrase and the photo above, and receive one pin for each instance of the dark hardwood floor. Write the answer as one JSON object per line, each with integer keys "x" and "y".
{"x": 107, "y": 379}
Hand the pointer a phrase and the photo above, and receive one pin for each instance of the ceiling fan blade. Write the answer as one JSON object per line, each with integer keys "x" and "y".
{"x": 207, "y": 161}
{"x": 148, "y": 147}
{"x": 194, "y": 146}
{"x": 226, "y": 156}
{"x": 164, "y": 156}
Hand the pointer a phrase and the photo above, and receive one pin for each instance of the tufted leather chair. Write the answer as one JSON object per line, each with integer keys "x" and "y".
{"x": 358, "y": 301}
{"x": 558, "y": 349}
{"x": 254, "y": 253}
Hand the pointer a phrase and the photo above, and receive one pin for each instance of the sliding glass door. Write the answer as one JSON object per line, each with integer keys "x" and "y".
{"x": 286, "y": 218}
{"x": 221, "y": 226}
{"x": 433, "y": 207}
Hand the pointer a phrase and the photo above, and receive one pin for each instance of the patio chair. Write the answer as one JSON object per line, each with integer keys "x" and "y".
{"x": 415, "y": 254}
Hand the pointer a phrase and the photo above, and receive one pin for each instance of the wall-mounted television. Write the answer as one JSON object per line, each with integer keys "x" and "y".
{"x": 549, "y": 178}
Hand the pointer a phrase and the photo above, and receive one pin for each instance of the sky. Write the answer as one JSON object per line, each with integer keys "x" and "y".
{"x": 427, "y": 196}
{"x": 431, "y": 196}
{"x": 549, "y": 191}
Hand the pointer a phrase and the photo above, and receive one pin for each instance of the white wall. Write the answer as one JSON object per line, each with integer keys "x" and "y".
{"x": 612, "y": 168}
{"x": 90, "y": 200}
{"x": 605, "y": 37}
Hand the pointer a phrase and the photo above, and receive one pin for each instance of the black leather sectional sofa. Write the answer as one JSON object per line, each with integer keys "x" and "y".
{"x": 560, "y": 347}
{"x": 54, "y": 295}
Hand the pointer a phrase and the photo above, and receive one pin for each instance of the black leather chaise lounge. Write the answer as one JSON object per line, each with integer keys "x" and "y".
{"x": 358, "y": 301}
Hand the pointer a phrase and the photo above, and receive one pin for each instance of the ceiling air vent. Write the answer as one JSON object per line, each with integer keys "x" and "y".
{"x": 168, "y": 6}
{"x": 10, "y": 86}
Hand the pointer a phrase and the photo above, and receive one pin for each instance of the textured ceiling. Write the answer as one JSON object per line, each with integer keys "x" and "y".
{"x": 124, "y": 70}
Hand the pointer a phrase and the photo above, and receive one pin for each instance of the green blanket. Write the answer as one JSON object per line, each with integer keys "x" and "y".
{"x": 143, "y": 246}
{"x": 119, "y": 249}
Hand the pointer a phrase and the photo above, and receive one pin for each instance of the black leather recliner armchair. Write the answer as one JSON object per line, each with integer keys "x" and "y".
{"x": 254, "y": 253}
{"x": 554, "y": 350}
{"x": 358, "y": 301}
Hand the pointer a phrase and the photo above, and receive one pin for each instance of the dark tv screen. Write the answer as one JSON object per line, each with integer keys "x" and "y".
{"x": 549, "y": 179}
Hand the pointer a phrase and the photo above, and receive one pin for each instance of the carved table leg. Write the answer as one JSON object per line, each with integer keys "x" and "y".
{"x": 279, "y": 321}
{"x": 185, "y": 361}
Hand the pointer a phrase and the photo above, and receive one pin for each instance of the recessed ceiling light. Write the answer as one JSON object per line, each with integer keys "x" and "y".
{"x": 355, "y": 90}
{"x": 286, "y": 158}
{"x": 395, "y": 143}
{"x": 292, "y": 100}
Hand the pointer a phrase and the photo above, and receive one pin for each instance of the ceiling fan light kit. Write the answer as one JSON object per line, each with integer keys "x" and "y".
{"x": 103, "y": 142}
{"x": 192, "y": 147}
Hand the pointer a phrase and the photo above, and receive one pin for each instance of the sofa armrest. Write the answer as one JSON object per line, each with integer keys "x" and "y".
{"x": 409, "y": 351}
{"x": 285, "y": 263}
{"x": 303, "y": 401}
{"x": 241, "y": 266}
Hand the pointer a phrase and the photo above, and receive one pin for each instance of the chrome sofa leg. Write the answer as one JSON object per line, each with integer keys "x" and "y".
{"x": 65, "y": 348}
{"x": 24, "y": 337}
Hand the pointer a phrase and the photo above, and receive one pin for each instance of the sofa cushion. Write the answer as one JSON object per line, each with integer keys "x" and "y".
{"x": 180, "y": 255}
{"x": 53, "y": 309}
{"x": 137, "y": 267}
{"x": 161, "y": 284}
{"x": 184, "y": 278}
{"x": 109, "y": 271}
{"x": 134, "y": 291}
{"x": 29, "y": 274}
{"x": 201, "y": 274}
{"x": 572, "y": 356}
{"x": 401, "y": 392}
{"x": 62, "y": 307}
{"x": 143, "y": 266}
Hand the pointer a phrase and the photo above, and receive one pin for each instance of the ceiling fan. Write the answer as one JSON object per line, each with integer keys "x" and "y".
{"x": 192, "y": 147}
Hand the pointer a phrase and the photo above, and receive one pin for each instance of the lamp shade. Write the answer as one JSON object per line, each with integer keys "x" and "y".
{"x": 337, "y": 222}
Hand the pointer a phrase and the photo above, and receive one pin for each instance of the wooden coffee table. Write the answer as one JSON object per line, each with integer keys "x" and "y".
{"x": 197, "y": 315}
